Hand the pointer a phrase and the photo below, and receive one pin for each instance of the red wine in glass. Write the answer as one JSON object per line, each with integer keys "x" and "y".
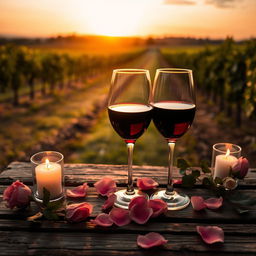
{"x": 173, "y": 118}
{"x": 130, "y": 120}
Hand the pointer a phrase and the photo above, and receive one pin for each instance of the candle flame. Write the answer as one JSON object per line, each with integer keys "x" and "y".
{"x": 47, "y": 162}
{"x": 228, "y": 153}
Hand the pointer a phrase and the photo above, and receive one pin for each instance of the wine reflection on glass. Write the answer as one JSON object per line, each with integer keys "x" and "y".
{"x": 129, "y": 112}
{"x": 174, "y": 109}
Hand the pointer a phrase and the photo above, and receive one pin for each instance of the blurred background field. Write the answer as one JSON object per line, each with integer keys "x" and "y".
{"x": 53, "y": 95}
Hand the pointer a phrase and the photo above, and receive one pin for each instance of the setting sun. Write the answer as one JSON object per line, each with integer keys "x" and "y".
{"x": 114, "y": 19}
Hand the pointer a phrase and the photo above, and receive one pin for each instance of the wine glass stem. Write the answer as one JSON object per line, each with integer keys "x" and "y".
{"x": 169, "y": 190}
{"x": 130, "y": 189}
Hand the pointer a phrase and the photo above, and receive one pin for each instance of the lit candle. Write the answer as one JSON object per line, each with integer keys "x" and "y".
{"x": 48, "y": 175}
{"x": 223, "y": 163}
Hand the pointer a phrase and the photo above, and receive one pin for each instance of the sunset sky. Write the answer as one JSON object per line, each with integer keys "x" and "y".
{"x": 200, "y": 18}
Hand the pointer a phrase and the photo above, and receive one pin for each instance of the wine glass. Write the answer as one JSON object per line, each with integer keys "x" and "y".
{"x": 129, "y": 112}
{"x": 173, "y": 112}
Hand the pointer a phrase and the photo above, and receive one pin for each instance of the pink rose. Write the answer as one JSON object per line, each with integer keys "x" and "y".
{"x": 17, "y": 194}
{"x": 240, "y": 168}
{"x": 78, "y": 212}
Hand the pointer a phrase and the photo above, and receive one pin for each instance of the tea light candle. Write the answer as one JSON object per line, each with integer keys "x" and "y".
{"x": 223, "y": 163}
{"x": 48, "y": 175}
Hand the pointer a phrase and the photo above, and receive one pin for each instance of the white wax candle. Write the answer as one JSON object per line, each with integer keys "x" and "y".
{"x": 223, "y": 163}
{"x": 48, "y": 175}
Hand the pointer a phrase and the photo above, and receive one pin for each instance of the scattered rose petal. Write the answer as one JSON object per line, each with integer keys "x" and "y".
{"x": 211, "y": 234}
{"x": 150, "y": 240}
{"x": 79, "y": 191}
{"x": 198, "y": 203}
{"x": 103, "y": 220}
{"x": 140, "y": 213}
{"x": 120, "y": 216}
{"x": 213, "y": 203}
{"x": 139, "y": 200}
{"x": 109, "y": 202}
{"x": 17, "y": 195}
{"x": 105, "y": 186}
{"x": 158, "y": 206}
{"x": 146, "y": 183}
{"x": 78, "y": 212}
{"x": 177, "y": 181}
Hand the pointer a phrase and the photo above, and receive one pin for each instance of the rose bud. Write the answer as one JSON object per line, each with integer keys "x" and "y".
{"x": 229, "y": 183}
{"x": 240, "y": 168}
{"x": 17, "y": 195}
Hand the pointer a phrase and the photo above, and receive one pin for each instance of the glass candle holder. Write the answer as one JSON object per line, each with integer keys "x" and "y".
{"x": 48, "y": 173}
{"x": 224, "y": 156}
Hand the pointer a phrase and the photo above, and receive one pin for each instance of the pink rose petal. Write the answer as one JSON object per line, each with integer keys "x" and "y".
{"x": 79, "y": 191}
{"x": 140, "y": 213}
{"x": 120, "y": 216}
{"x": 103, "y": 220}
{"x": 109, "y": 202}
{"x": 105, "y": 186}
{"x": 158, "y": 206}
{"x": 213, "y": 203}
{"x": 177, "y": 181}
{"x": 211, "y": 234}
{"x": 146, "y": 183}
{"x": 78, "y": 212}
{"x": 139, "y": 200}
{"x": 198, "y": 203}
{"x": 150, "y": 240}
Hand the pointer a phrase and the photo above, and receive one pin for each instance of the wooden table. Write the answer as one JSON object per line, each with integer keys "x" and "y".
{"x": 21, "y": 237}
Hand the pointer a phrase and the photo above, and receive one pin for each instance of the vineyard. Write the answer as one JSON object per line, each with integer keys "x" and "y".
{"x": 51, "y": 100}
{"x": 226, "y": 75}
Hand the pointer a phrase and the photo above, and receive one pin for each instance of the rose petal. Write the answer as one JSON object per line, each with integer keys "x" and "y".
{"x": 79, "y": 191}
{"x": 241, "y": 167}
{"x": 146, "y": 183}
{"x": 211, "y": 234}
{"x": 151, "y": 239}
{"x": 105, "y": 186}
{"x": 158, "y": 206}
{"x": 213, "y": 203}
{"x": 139, "y": 200}
{"x": 140, "y": 213}
{"x": 78, "y": 212}
{"x": 103, "y": 220}
{"x": 109, "y": 202}
{"x": 198, "y": 203}
{"x": 120, "y": 216}
{"x": 177, "y": 181}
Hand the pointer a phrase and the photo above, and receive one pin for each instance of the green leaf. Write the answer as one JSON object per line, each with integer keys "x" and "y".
{"x": 50, "y": 215}
{"x": 46, "y": 197}
{"x": 196, "y": 173}
{"x": 182, "y": 165}
{"x": 218, "y": 180}
{"x": 54, "y": 206}
{"x": 242, "y": 199}
{"x": 207, "y": 181}
{"x": 241, "y": 210}
{"x": 204, "y": 167}
{"x": 188, "y": 181}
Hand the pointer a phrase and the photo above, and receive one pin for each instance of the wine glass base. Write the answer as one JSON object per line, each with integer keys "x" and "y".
{"x": 174, "y": 202}
{"x": 123, "y": 199}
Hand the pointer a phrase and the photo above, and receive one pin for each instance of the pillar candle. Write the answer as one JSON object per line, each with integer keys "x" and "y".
{"x": 48, "y": 175}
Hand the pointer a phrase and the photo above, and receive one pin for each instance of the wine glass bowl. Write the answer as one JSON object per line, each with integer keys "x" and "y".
{"x": 173, "y": 113}
{"x": 130, "y": 114}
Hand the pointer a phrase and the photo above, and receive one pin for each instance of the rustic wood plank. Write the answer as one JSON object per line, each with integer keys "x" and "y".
{"x": 226, "y": 214}
{"x": 151, "y": 226}
{"x": 115, "y": 242}
{"x": 76, "y": 174}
